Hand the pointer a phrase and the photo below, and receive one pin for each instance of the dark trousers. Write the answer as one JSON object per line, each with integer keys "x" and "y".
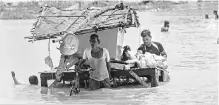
{"x": 154, "y": 78}
{"x": 93, "y": 84}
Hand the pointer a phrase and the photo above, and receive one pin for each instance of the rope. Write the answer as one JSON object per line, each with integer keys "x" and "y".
{"x": 49, "y": 52}
{"x": 49, "y": 47}
{"x": 139, "y": 36}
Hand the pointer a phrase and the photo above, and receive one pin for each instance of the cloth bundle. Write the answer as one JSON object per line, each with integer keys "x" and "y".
{"x": 149, "y": 60}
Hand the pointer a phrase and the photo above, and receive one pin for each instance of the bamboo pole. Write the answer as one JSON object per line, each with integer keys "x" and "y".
{"x": 103, "y": 27}
{"x": 62, "y": 16}
{"x": 85, "y": 16}
{"x": 138, "y": 79}
{"x": 42, "y": 37}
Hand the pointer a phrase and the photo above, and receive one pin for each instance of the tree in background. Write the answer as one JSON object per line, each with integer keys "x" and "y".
{"x": 9, "y": 5}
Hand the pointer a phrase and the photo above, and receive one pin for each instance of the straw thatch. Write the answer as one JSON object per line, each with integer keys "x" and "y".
{"x": 53, "y": 23}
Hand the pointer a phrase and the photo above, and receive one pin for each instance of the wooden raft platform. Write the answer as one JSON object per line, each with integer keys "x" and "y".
{"x": 115, "y": 73}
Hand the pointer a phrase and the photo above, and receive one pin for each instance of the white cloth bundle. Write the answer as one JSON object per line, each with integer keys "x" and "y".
{"x": 149, "y": 60}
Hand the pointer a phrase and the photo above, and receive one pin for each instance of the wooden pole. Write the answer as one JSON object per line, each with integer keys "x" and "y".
{"x": 84, "y": 16}
{"x": 138, "y": 78}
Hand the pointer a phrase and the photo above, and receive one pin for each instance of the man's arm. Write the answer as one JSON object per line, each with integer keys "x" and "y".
{"x": 73, "y": 61}
{"x": 162, "y": 51}
{"x": 108, "y": 62}
{"x": 83, "y": 60}
{"x": 16, "y": 82}
{"x": 164, "y": 54}
{"x": 108, "y": 68}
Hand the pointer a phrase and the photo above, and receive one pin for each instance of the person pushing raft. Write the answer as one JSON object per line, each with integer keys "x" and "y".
{"x": 151, "y": 47}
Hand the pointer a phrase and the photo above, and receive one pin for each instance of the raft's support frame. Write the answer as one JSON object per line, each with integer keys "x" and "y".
{"x": 115, "y": 73}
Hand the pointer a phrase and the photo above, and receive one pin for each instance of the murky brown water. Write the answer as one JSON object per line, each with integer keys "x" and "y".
{"x": 192, "y": 57}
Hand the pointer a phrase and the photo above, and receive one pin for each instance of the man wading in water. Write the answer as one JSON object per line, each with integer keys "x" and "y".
{"x": 99, "y": 60}
{"x": 153, "y": 48}
{"x": 33, "y": 80}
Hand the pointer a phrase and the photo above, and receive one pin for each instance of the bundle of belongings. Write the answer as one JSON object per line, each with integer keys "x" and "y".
{"x": 149, "y": 60}
{"x": 141, "y": 60}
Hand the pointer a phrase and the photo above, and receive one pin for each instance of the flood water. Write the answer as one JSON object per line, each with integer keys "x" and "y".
{"x": 192, "y": 51}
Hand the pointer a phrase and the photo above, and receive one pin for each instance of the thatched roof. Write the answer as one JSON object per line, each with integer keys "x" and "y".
{"x": 53, "y": 23}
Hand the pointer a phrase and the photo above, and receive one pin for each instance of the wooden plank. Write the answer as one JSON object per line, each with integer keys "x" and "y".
{"x": 138, "y": 78}
{"x": 69, "y": 71}
{"x": 140, "y": 72}
{"x": 136, "y": 73}
{"x": 116, "y": 61}
{"x": 164, "y": 76}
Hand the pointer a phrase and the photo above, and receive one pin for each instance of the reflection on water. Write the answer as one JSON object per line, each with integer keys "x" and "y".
{"x": 192, "y": 57}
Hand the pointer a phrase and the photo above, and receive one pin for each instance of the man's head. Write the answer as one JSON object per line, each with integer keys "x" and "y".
{"x": 94, "y": 40}
{"x": 146, "y": 36}
{"x": 206, "y": 16}
{"x": 215, "y": 12}
{"x": 33, "y": 80}
{"x": 166, "y": 24}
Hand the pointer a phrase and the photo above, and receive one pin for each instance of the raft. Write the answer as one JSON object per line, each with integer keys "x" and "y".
{"x": 110, "y": 23}
{"x": 115, "y": 75}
